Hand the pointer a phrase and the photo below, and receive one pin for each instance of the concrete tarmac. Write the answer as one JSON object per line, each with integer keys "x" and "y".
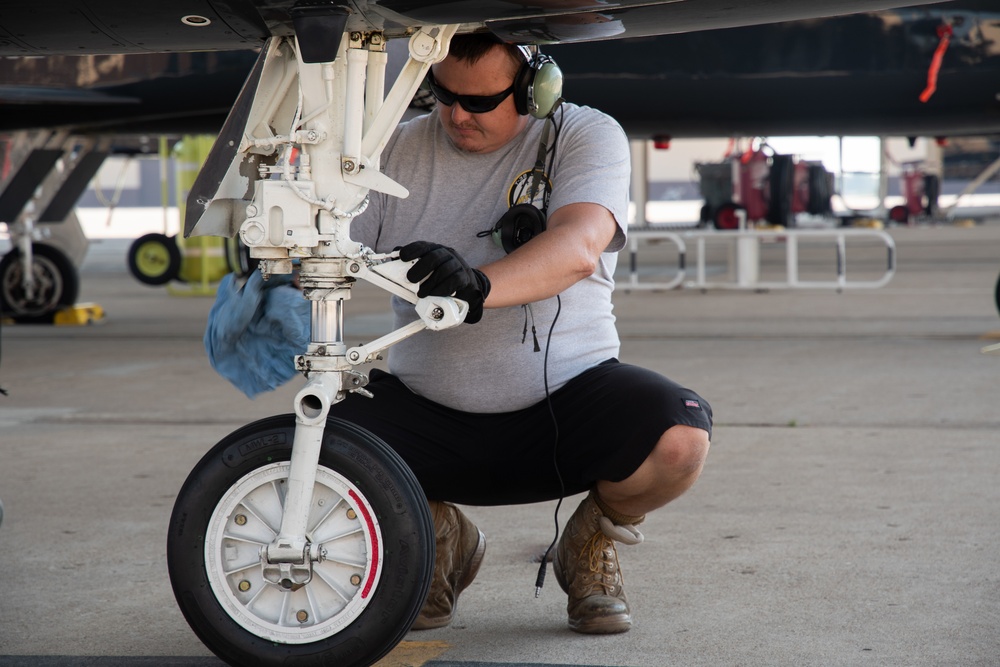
{"x": 849, "y": 512}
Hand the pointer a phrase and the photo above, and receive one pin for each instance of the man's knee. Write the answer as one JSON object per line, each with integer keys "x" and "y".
{"x": 681, "y": 451}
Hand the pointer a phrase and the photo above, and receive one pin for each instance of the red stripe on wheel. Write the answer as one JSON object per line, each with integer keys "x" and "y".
{"x": 374, "y": 536}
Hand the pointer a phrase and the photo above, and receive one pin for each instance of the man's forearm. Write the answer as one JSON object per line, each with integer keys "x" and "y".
{"x": 567, "y": 252}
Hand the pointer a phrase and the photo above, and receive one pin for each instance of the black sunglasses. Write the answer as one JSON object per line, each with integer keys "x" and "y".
{"x": 471, "y": 103}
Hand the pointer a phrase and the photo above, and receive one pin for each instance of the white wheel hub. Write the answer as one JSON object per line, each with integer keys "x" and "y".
{"x": 342, "y": 524}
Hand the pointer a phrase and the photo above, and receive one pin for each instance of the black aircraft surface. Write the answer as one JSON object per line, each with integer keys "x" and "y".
{"x": 755, "y": 70}
{"x": 263, "y": 574}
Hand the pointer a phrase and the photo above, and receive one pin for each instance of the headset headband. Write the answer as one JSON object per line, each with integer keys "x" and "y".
{"x": 528, "y": 51}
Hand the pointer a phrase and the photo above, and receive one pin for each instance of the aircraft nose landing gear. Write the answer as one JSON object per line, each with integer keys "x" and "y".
{"x": 302, "y": 539}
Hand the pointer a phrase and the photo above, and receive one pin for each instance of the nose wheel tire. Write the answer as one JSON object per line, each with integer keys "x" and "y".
{"x": 372, "y": 541}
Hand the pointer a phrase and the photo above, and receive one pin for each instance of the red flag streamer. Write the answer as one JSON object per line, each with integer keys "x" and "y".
{"x": 944, "y": 33}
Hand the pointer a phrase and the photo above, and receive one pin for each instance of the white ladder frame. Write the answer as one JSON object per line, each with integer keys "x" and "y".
{"x": 745, "y": 247}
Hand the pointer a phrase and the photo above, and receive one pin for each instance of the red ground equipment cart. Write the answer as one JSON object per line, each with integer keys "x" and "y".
{"x": 766, "y": 186}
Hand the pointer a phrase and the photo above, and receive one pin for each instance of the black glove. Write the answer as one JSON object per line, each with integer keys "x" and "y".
{"x": 447, "y": 274}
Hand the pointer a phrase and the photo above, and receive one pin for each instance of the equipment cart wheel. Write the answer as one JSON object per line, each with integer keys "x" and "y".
{"x": 56, "y": 285}
{"x": 154, "y": 259}
{"x": 900, "y": 215}
{"x": 726, "y": 216}
{"x": 369, "y": 527}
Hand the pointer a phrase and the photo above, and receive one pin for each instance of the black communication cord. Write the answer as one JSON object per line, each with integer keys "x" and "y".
{"x": 555, "y": 139}
{"x": 543, "y": 566}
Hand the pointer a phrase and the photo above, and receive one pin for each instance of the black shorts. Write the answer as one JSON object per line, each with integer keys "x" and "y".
{"x": 609, "y": 419}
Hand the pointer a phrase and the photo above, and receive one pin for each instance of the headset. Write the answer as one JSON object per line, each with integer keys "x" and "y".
{"x": 538, "y": 93}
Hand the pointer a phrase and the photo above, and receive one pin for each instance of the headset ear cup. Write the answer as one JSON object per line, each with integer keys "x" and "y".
{"x": 545, "y": 89}
{"x": 538, "y": 85}
{"x": 519, "y": 224}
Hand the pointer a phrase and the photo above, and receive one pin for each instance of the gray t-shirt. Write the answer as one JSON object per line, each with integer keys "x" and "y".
{"x": 485, "y": 367}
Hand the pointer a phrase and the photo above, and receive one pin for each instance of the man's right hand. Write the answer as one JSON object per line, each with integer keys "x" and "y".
{"x": 445, "y": 273}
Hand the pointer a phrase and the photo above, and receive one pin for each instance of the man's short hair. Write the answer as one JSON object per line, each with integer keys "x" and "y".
{"x": 471, "y": 47}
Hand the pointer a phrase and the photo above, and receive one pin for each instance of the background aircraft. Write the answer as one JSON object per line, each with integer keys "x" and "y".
{"x": 89, "y": 79}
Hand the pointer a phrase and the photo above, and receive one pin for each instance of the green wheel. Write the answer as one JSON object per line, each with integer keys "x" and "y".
{"x": 154, "y": 259}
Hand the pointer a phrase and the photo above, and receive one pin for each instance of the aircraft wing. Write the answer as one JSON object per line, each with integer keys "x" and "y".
{"x": 68, "y": 27}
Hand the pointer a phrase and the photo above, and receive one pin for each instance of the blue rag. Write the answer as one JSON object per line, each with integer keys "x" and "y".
{"x": 255, "y": 331}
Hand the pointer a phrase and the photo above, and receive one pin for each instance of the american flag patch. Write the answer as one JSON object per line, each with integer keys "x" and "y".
{"x": 691, "y": 403}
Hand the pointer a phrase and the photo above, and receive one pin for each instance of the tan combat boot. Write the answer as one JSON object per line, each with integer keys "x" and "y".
{"x": 460, "y": 548}
{"x": 586, "y": 566}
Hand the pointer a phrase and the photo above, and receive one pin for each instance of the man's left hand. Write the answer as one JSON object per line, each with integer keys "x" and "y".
{"x": 446, "y": 274}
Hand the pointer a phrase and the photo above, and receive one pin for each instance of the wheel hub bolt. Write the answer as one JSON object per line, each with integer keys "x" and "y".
{"x": 244, "y": 586}
{"x": 241, "y": 519}
{"x": 356, "y": 579}
{"x": 302, "y": 616}
{"x": 351, "y": 514}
